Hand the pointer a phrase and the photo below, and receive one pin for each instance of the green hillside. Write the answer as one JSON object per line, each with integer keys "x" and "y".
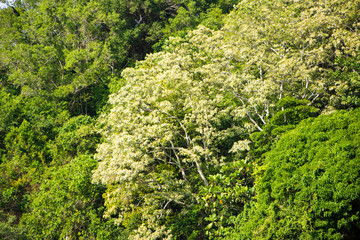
{"x": 170, "y": 119}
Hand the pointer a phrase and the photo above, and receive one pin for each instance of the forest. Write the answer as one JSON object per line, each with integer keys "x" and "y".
{"x": 179, "y": 119}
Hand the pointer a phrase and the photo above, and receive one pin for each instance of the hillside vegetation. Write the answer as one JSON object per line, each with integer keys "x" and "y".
{"x": 167, "y": 119}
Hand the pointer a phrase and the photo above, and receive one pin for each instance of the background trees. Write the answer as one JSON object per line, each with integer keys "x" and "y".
{"x": 57, "y": 61}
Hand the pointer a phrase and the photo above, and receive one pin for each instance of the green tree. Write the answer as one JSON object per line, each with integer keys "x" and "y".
{"x": 67, "y": 205}
{"x": 308, "y": 185}
{"x": 26, "y": 126}
{"x": 56, "y": 61}
{"x": 75, "y": 137}
{"x": 9, "y": 229}
{"x": 69, "y": 51}
{"x": 346, "y": 82}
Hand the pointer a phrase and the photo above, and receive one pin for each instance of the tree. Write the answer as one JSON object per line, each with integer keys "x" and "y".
{"x": 69, "y": 51}
{"x": 9, "y": 230}
{"x": 56, "y": 62}
{"x": 186, "y": 112}
{"x": 67, "y": 205}
{"x": 346, "y": 82}
{"x": 169, "y": 128}
{"x": 26, "y": 126}
{"x": 308, "y": 185}
{"x": 293, "y": 45}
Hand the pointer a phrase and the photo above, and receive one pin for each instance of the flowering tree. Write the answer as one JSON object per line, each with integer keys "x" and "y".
{"x": 185, "y": 112}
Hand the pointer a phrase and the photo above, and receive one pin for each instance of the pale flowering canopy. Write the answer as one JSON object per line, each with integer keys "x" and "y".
{"x": 187, "y": 108}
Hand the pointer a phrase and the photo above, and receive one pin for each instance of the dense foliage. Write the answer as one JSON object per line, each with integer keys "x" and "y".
{"x": 58, "y": 63}
{"x": 239, "y": 125}
{"x": 308, "y": 185}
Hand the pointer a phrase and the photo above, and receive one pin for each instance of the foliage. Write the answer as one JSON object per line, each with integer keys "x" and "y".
{"x": 308, "y": 185}
{"x": 9, "y": 230}
{"x": 188, "y": 144}
{"x": 346, "y": 82}
{"x": 292, "y": 112}
{"x": 56, "y": 62}
{"x": 164, "y": 135}
{"x": 68, "y": 51}
{"x": 75, "y": 137}
{"x": 194, "y": 105}
{"x": 26, "y": 127}
{"x": 229, "y": 190}
{"x": 71, "y": 50}
{"x": 192, "y": 13}
{"x": 67, "y": 205}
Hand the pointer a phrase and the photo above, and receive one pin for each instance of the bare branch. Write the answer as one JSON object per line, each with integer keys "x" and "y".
{"x": 179, "y": 163}
{"x": 198, "y": 166}
{"x": 254, "y": 122}
{"x": 259, "y": 115}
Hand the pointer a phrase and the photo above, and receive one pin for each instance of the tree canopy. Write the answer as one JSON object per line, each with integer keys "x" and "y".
{"x": 188, "y": 111}
{"x": 308, "y": 185}
{"x": 169, "y": 119}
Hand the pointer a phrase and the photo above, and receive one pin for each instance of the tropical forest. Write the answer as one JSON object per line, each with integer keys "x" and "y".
{"x": 179, "y": 119}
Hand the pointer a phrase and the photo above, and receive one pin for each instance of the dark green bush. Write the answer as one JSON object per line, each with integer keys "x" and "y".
{"x": 309, "y": 184}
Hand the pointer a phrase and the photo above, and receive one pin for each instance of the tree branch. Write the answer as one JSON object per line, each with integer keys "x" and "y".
{"x": 253, "y": 121}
